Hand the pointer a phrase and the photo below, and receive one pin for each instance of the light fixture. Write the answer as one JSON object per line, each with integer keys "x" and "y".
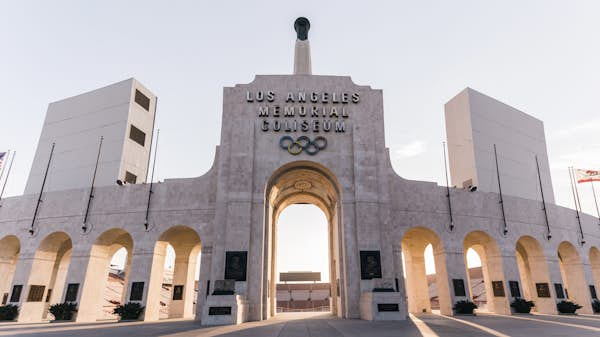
{"x": 121, "y": 182}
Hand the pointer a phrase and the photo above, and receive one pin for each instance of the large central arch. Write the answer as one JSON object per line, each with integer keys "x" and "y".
{"x": 296, "y": 183}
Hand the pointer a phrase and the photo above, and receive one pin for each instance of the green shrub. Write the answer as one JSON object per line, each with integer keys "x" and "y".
{"x": 522, "y": 306}
{"x": 567, "y": 307}
{"x": 131, "y": 310}
{"x": 596, "y": 306}
{"x": 464, "y": 307}
{"x": 8, "y": 312}
{"x": 63, "y": 311}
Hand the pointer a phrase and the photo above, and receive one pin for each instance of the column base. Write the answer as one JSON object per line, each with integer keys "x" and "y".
{"x": 382, "y": 306}
{"x": 224, "y": 310}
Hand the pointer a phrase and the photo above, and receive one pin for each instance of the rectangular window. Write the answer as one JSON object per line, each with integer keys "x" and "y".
{"x": 130, "y": 178}
{"x": 72, "y": 290}
{"x": 16, "y": 293}
{"x": 36, "y": 293}
{"x": 137, "y": 291}
{"x": 142, "y": 100}
{"x": 137, "y": 135}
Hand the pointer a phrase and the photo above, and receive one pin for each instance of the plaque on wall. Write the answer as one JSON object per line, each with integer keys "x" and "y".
{"x": 498, "y": 288}
{"x": 370, "y": 264}
{"x": 214, "y": 311}
{"x": 593, "y": 292}
{"x": 459, "y": 287}
{"x": 559, "y": 290}
{"x": 387, "y": 307}
{"x": 16, "y": 293}
{"x": 543, "y": 289}
{"x": 36, "y": 293}
{"x": 48, "y": 295}
{"x": 235, "y": 265}
{"x": 515, "y": 291}
{"x": 4, "y": 298}
{"x": 177, "y": 292}
{"x": 72, "y": 291}
{"x": 137, "y": 291}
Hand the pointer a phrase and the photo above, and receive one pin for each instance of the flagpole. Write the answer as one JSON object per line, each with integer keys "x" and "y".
{"x": 7, "y": 174}
{"x": 448, "y": 188}
{"x": 595, "y": 200}
{"x": 505, "y": 230}
{"x": 87, "y": 210}
{"x": 575, "y": 199}
{"x": 4, "y": 165}
{"x": 549, "y": 235}
{"x": 37, "y": 206}
{"x": 146, "y": 224}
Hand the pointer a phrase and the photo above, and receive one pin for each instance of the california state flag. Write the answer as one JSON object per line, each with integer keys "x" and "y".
{"x": 585, "y": 176}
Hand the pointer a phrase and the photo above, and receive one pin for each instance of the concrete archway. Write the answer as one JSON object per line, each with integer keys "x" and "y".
{"x": 94, "y": 292}
{"x": 47, "y": 277}
{"x": 491, "y": 266}
{"x": 414, "y": 242}
{"x": 186, "y": 245}
{"x": 9, "y": 253}
{"x": 595, "y": 263}
{"x": 533, "y": 270}
{"x": 571, "y": 270}
{"x": 296, "y": 183}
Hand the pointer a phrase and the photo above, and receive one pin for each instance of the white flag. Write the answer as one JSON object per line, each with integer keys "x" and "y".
{"x": 586, "y": 176}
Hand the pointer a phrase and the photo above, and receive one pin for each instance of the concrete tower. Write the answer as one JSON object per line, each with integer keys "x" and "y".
{"x": 474, "y": 123}
{"x": 123, "y": 113}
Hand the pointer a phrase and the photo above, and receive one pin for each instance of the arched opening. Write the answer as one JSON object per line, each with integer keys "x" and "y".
{"x": 47, "y": 277}
{"x": 172, "y": 289}
{"x": 420, "y": 297}
{"x": 303, "y": 182}
{"x": 490, "y": 273}
{"x": 303, "y": 282}
{"x": 475, "y": 279}
{"x": 571, "y": 270}
{"x": 105, "y": 278}
{"x": 9, "y": 253}
{"x": 595, "y": 263}
{"x": 533, "y": 271}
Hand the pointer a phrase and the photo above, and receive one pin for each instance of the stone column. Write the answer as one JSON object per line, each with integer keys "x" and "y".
{"x": 450, "y": 265}
{"x": 147, "y": 267}
{"x": 205, "y": 267}
{"x": 89, "y": 269}
{"x": 183, "y": 274}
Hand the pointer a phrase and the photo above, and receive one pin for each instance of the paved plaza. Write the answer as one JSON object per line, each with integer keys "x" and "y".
{"x": 324, "y": 325}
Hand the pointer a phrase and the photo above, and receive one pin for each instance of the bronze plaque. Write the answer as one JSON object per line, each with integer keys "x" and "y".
{"x": 214, "y": 311}
{"x": 370, "y": 264}
{"x": 459, "y": 287}
{"x": 4, "y": 298}
{"x": 498, "y": 288}
{"x": 48, "y": 295}
{"x": 235, "y": 265}
{"x": 543, "y": 289}
{"x": 177, "y": 292}
{"x": 137, "y": 291}
{"x": 387, "y": 307}
{"x": 36, "y": 293}
{"x": 515, "y": 291}
{"x": 559, "y": 290}
{"x": 72, "y": 291}
{"x": 16, "y": 293}
{"x": 299, "y": 276}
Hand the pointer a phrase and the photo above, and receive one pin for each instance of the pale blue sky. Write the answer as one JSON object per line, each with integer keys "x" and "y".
{"x": 542, "y": 57}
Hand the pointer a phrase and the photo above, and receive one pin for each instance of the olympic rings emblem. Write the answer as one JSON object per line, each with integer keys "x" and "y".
{"x": 303, "y": 143}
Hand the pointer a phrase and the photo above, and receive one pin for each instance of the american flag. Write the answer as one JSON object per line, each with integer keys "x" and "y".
{"x": 2, "y": 158}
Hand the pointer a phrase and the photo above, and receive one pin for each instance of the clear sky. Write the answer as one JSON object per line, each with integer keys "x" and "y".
{"x": 541, "y": 57}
